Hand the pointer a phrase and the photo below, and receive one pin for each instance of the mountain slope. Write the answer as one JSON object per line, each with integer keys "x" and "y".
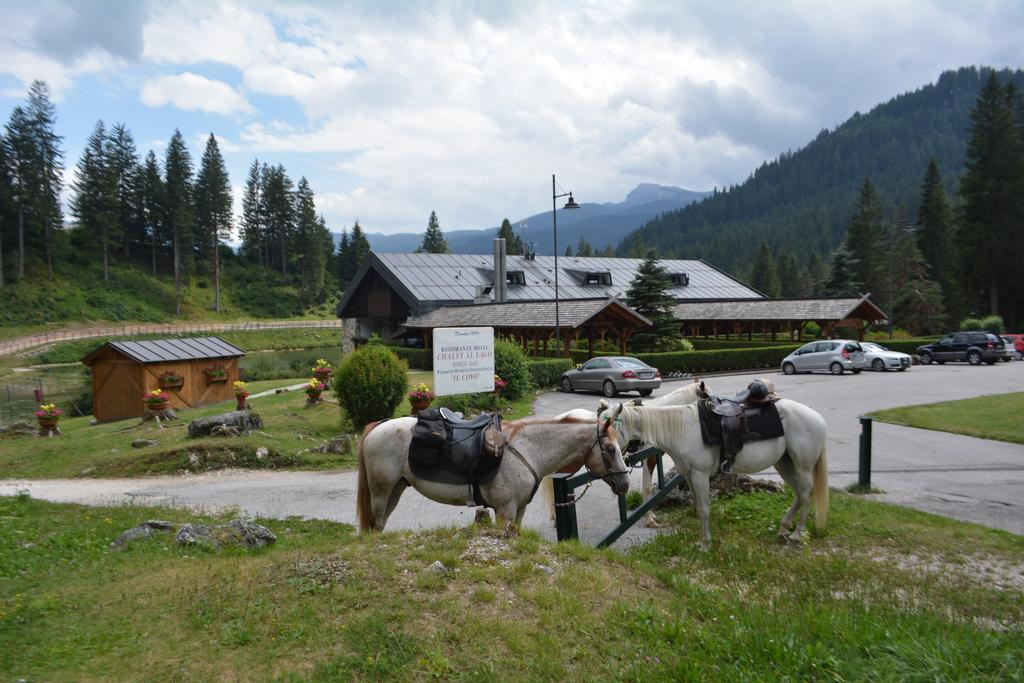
{"x": 803, "y": 201}
{"x": 601, "y": 224}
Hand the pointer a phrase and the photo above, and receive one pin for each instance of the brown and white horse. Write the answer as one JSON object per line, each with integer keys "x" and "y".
{"x": 534, "y": 449}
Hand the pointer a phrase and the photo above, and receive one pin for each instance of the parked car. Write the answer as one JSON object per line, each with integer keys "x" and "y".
{"x": 879, "y": 358}
{"x": 974, "y": 347}
{"x": 834, "y": 355}
{"x": 611, "y": 375}
{"x": 1014, "y": 346}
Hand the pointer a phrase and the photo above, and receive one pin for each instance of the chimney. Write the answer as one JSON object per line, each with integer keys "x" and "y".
{"x": 500, "y": 278}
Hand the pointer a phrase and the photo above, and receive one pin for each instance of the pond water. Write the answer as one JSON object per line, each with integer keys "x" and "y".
{"x": 69, "y": 386}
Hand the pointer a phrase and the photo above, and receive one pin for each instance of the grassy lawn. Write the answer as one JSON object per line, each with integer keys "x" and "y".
{"x": 999, "y": 417}
{"x": 886, "y": 594}
{"x": 291, "y": 433}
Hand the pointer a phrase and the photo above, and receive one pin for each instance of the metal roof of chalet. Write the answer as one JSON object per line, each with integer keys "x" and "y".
{"x": 780, "y": 309}
{"x": 173, "y": 349}
{"x": 529, "y": 314}
{"x": 426, "y": 281}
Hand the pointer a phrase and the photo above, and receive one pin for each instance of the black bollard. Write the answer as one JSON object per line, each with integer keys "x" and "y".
{"x": 864, "y": 471}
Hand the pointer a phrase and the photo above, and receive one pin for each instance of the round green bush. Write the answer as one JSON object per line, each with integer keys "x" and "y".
{"x": 370, "y": 384}
{"x": 510, "y": 364}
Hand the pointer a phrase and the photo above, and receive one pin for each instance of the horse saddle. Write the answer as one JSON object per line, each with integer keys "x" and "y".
{"x": 449, "y": 450}
{"x": 751, "y": 415}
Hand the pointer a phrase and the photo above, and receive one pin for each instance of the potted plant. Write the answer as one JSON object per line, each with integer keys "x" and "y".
{"x": 420, "y": 397}
{"x": 313, "y": 390}
{"x": 499, "y": 384}
{"x": 241, "y": 393}
{"x": 170, "y": 380}
{"x": 157, "y": 400}
{"x": 322, "y": 370}
{"x": 48, "y": 415}
{"x": 216, "y": 374}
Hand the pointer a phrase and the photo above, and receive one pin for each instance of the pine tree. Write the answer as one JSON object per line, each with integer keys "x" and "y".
{"x": 583, "y": 247}
{"x": 310, "y": 237}
{"x": 178, "y": 208}
{"x": 95, "y": 202}
{"x": 433, "y": 239}
{"x": 790, "y": 276}
{"x": 152, "y": 203}
{"x": 251, "y": 224}
{"x": 49, "y": 157}
{"x": 765, "y": 276}
{"x": 513, "y": 242}
{"x": 992, "y": 213}
{"x": 123, "y": 160}
{"x": 343, "y": 260}
{"x": 213, "y": 204}
{"x": 918, "y": 304}
{"x": 865, "y": 239}
{"x": 648, "y": 295}
{"x": 6, "y": 201}
{"x": 279, "y": 213}
{"x": 842, "y": 281}
{"x": 936, "y": 234}
{"x": 816, "y": 275}
{"x": 23, "y": 172}
{"x": 608, "y": 251}
{"x": 568, "y": 250}
{"x": 355, "y": 253}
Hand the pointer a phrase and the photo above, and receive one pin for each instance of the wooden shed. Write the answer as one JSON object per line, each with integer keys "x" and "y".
{"x": 122, "y": 372}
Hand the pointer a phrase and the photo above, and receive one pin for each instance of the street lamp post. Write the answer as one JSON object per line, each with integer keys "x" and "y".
{"x": 571, "y": 204}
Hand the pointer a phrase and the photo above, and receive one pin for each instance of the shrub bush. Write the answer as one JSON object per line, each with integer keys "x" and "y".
{"x": 713, "y": 361}
{"x": 418, "y": 359}
{"x": 510, "y": 364}
{"x": 546, "y": 372}
{"x": 370, "y": 383}
{"x": 715, "y": 344}
{"x": 970, "y": 325}
{"x": 993, "y": 324}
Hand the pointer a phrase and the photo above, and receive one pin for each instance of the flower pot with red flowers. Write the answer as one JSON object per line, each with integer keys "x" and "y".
{"x": 215, "y": 375}
{"x": 170, "y": 380}
{"x": 157, "y": 400}
{"x": 48, "y": 415}
{"x": 499, "y": 385}
{"x": 420, "y": 397}
{"x": 241, "y": 393}
{"x": 322, "y": 370}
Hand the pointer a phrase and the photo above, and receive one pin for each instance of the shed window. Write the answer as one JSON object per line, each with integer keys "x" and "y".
{"x": 680, "y": 279}
{"x": 516, "y": 277}
{"x": 597, "y": 278}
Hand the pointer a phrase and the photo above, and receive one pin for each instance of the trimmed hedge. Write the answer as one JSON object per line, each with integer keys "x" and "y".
{"x": 546, "y": 372}
{"x": 418, "y": 359}
{"x": 718, "y": 344}
{"x": 905, "y": 345}
{"x": 718, "y": 360}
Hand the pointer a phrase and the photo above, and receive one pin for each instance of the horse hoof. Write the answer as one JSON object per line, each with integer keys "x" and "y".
{"x": 795, "y": 540}
{"x": 782, "y": 537}
{"x": 703, "y": 546}
{"x": 651, "y": 523}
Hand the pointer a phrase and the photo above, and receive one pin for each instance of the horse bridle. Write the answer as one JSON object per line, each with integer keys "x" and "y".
{"x": 600, "y": 441}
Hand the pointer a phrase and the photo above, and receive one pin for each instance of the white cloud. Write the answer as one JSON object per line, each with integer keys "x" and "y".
{"x": 191, "y": 92}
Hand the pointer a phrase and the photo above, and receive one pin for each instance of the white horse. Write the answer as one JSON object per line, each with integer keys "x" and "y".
{"x": 800, "y": 457}
{"x": 534, "y": 449}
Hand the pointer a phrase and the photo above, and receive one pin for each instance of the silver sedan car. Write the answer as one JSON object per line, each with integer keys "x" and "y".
{"x": 832, "y": 355}
{"x": 611, "y": 375}
{"x": 879, "y": 358}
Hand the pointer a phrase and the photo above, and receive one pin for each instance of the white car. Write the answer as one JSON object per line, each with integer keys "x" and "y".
{"x": 879, "y": 358}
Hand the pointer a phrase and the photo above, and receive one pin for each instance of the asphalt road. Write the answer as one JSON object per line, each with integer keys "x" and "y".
{"x": 961, "y": 477}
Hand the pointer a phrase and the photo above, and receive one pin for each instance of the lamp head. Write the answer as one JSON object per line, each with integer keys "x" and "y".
{"x": 571, "y": 204}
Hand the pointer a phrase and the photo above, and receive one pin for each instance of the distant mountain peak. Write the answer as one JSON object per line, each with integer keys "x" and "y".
{"x": 645, "y": 193}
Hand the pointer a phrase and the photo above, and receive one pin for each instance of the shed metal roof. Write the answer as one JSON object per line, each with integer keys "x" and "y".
{"x": 173, "y": 349}
{"x": 538, "y": 314}
{"x": 427, "y": 281}
{"x": 779, "y": 309}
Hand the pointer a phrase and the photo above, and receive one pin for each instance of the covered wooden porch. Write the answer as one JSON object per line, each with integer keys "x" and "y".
{"x": 532, "y": 323}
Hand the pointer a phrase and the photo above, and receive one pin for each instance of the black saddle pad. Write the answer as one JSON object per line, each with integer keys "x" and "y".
{"x": 449, "y": 454}
{"x": 754, "y": 424}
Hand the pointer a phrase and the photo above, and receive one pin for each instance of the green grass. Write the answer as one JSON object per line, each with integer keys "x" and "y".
{"x": 291, "y": 433}
{"x": 999, "y": 417}
{"x": 886, "y": 594}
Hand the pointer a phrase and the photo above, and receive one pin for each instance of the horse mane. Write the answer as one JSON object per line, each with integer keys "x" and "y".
{"x": 514, "y": 427}
{"x": 659, "y": 426}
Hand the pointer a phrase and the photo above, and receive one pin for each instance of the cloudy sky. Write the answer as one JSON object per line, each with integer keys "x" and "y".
{"x": 393, "y": 109}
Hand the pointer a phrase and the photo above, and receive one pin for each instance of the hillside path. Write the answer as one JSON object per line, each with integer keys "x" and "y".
{"x": 10, "y": 346}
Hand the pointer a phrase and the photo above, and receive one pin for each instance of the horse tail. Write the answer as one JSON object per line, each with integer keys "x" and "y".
{"x": 819, "y": 490}
{"x": 364, "y": 512}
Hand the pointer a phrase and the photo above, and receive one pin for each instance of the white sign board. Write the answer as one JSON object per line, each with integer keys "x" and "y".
{"x": 463, "y": 360}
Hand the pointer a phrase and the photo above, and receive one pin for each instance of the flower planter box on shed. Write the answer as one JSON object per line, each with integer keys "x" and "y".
{"x": 123, "y": 371}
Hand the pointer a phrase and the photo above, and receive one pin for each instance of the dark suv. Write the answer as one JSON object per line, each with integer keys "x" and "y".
{"x": 973, "y": 347}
